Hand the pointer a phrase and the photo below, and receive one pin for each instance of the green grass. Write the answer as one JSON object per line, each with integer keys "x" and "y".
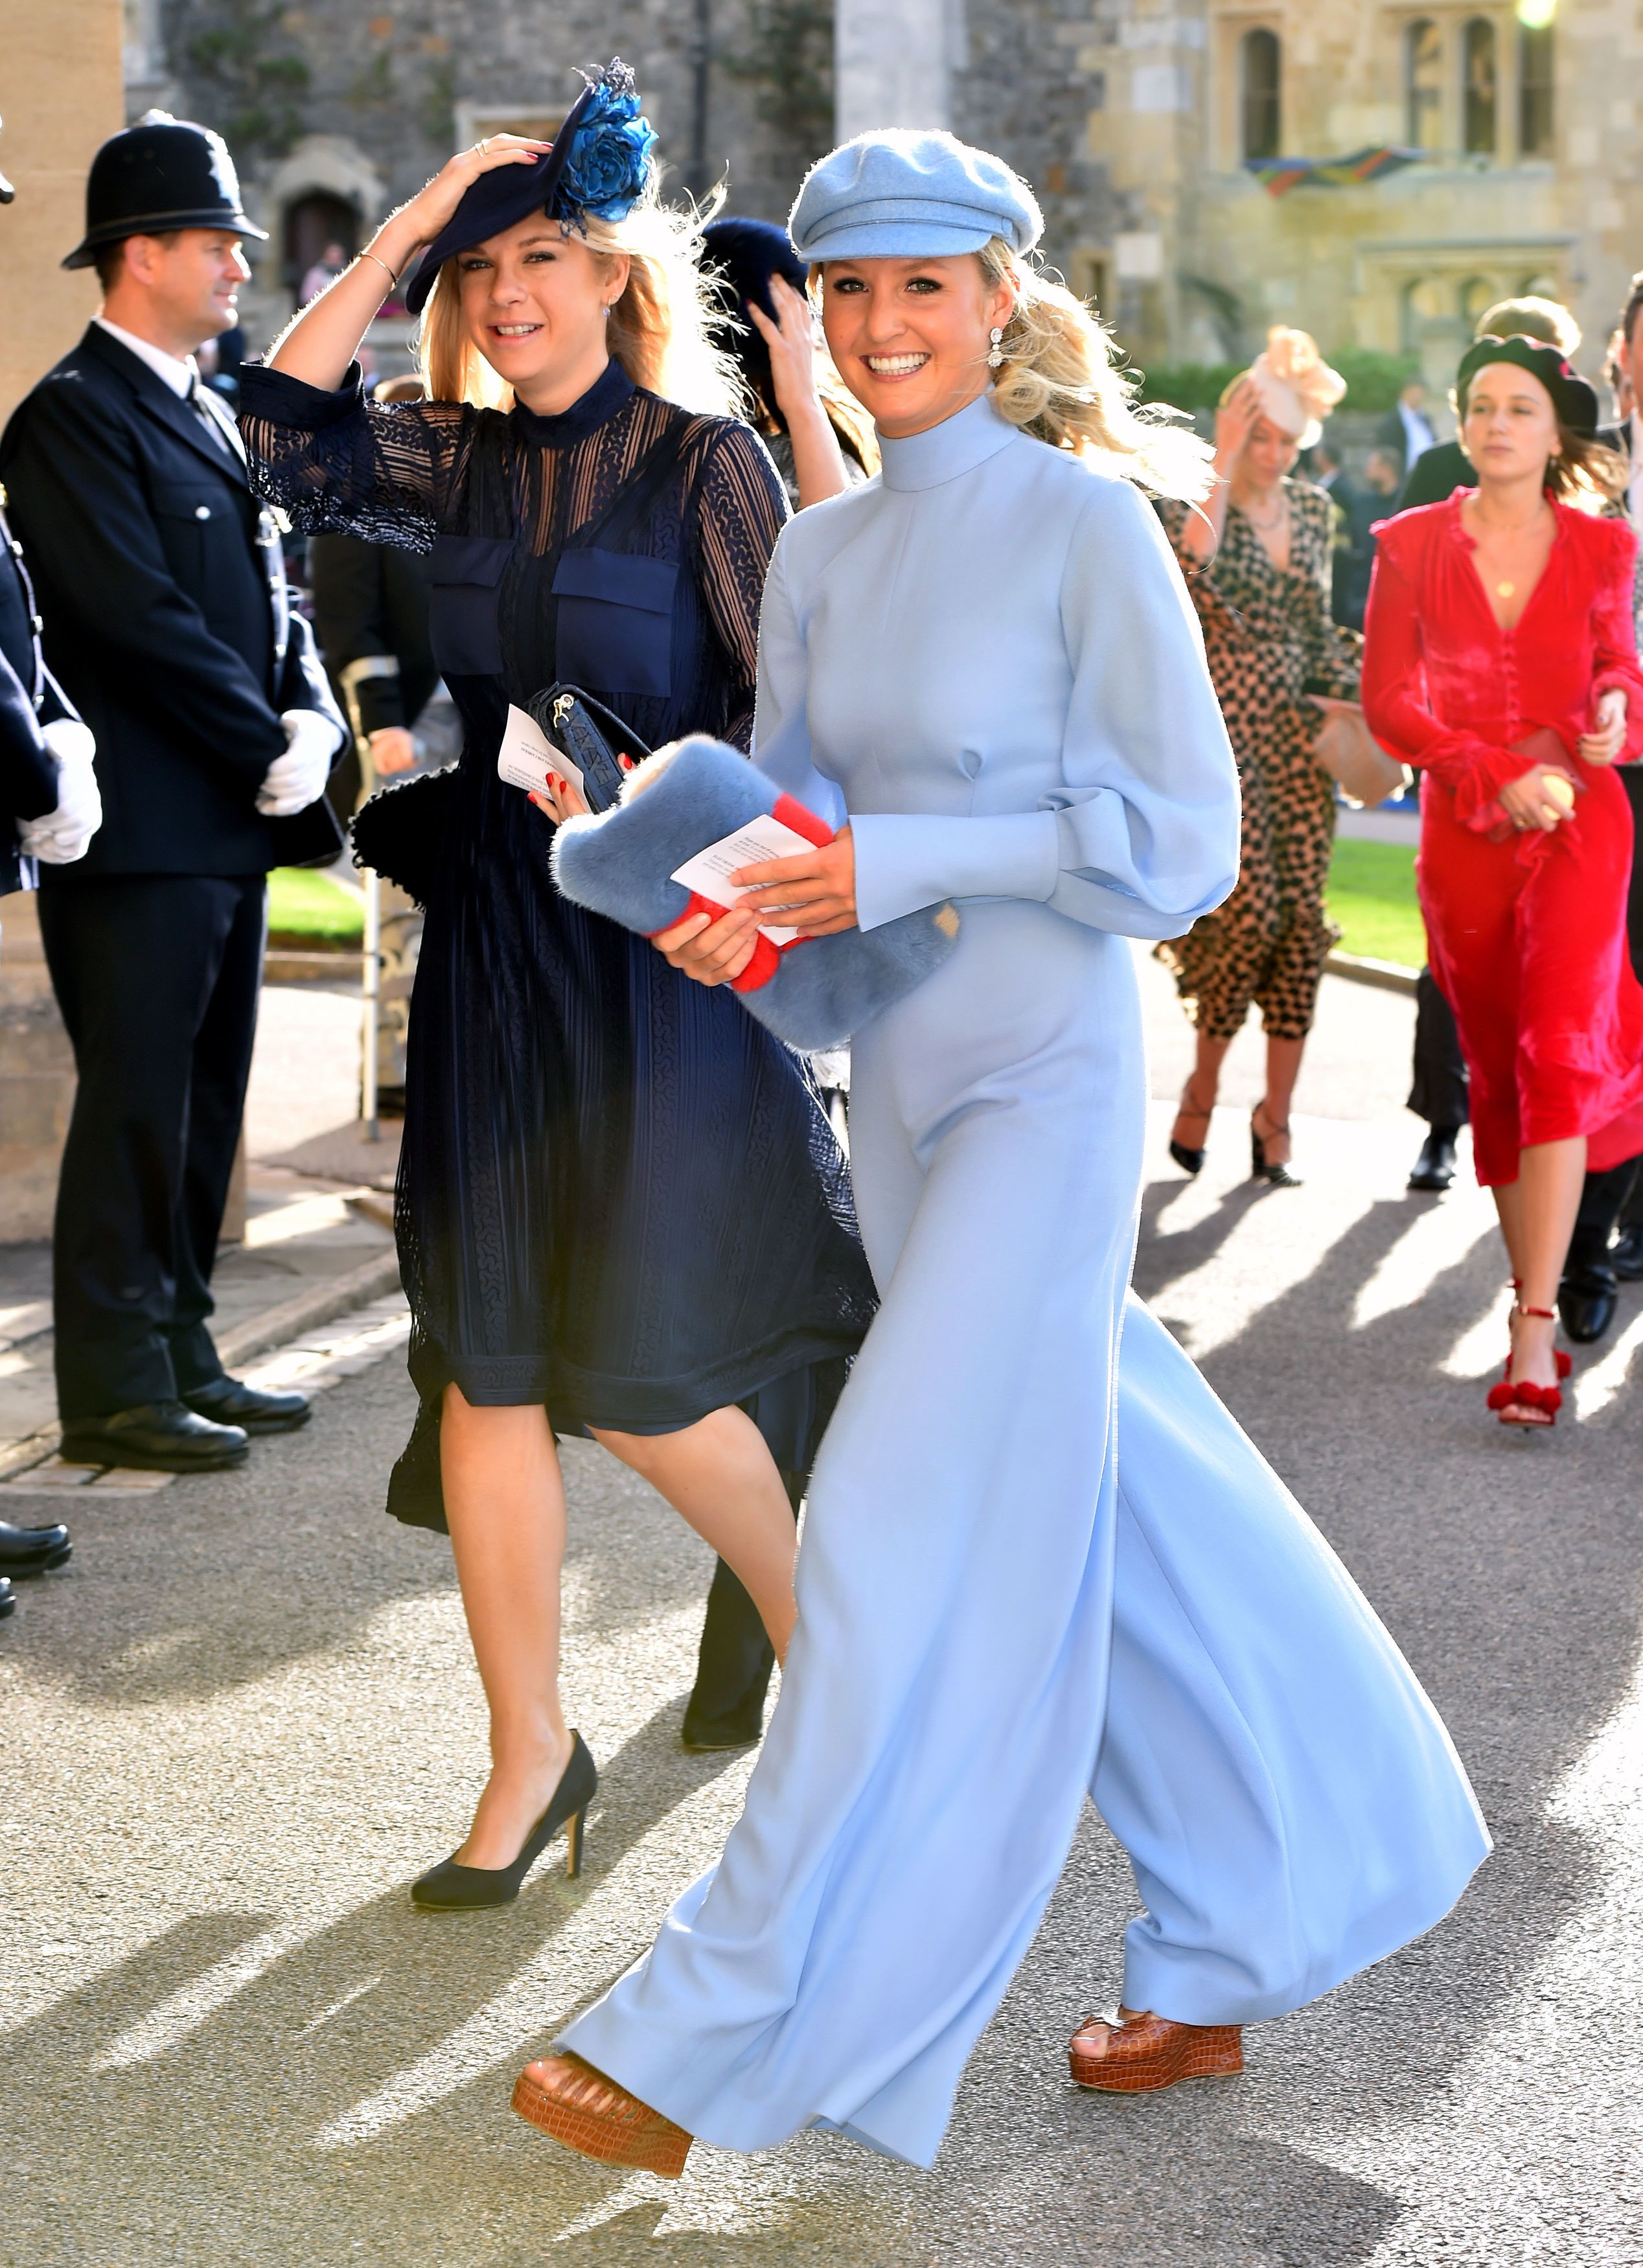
{"x": 310, "y": 910}
{"x": 1371, "y": 896}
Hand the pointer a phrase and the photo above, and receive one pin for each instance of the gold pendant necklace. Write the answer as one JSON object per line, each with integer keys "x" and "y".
{"x": 1505, "y": 590}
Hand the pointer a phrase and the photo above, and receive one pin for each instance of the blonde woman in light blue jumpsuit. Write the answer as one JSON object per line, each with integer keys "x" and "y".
{"x": 1040, "y": 1559}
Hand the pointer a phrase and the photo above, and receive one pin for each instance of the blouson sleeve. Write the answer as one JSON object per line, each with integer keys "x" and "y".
{"x": 1395, "y": 697}
{"x": 1614, "y": 634}
{"x": 337, "y": 464}
{"x": 1143, "y": 837}
{"x": 742, "y": 507}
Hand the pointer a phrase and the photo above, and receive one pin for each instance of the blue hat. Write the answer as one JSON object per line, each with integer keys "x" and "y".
{"x": 904, "y": 196}
{"x": 747, "y": 254}
{"x": 600, "y": 163}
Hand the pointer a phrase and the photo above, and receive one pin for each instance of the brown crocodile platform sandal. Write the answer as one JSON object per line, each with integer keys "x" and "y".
{"x": 589, "y": 2113}
{"x": 1134, "y": 2053}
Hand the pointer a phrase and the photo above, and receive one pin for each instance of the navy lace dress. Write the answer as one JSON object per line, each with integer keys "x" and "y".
{"x": 618, "y": 1194}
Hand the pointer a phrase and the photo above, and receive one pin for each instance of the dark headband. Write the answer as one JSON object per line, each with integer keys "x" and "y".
{"x": 1575, "y": 401}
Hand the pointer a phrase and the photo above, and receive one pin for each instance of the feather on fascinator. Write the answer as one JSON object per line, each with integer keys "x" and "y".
{"x": 1297, "y": 387}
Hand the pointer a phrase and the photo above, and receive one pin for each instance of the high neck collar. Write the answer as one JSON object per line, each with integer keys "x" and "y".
{"x": 606, "y": 394}
{"x": 947, "y": 451}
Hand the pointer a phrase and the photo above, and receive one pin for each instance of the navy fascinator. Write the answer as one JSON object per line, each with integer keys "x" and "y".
{"x": 745, "y": 254}
{"x": 601, "y": 163}
{"x": 1574, "y": 397}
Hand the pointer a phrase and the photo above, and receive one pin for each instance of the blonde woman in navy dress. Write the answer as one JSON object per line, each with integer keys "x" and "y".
{"x": 1030, "y": 1569}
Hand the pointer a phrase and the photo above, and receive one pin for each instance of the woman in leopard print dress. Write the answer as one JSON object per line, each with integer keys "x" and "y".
{"x": 1258, "y": 558}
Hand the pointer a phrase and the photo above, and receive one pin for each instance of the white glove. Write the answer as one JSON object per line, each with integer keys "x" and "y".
{"x": 64, "y": 834}
{"x": 298, "y": 778}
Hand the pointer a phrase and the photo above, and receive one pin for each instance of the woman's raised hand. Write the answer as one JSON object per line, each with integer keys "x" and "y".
{"x": 1235, "y": 422}
{"x": 1605, "y": 744}
{"x": 791, "y": 339}
{"x": 320, "y": 343}
{"x": 1542, "y": 798}
{"x": 420, "y": 220}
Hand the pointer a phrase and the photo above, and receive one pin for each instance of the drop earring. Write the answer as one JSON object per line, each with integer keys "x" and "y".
{"x": 995, "y": 358}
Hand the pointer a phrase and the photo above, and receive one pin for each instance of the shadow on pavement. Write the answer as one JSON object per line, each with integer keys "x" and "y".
{"x": 1505, "y": 1569}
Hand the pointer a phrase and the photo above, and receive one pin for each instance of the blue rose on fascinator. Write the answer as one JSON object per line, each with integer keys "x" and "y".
{"x": 609, "y": 158}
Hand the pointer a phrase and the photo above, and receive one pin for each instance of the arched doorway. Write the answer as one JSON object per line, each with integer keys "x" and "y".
{"x": 317, "y": 224}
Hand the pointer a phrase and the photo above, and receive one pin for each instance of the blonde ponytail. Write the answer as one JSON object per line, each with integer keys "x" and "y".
{"x": 1059, "y": 384}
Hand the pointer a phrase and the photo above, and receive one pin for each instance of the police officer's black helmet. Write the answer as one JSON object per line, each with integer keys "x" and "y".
{"x": 161, "y": 175}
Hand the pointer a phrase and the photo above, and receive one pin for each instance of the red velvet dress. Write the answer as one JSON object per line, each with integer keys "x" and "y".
{"x": 1526, "y": 931}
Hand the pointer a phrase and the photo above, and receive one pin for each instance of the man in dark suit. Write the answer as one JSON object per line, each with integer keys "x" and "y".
{"x": 49, "y": 809}
{"x": 167, "y": 621}
{"x": 1625, "y": 1257}
{"x": 1406, "y": 430}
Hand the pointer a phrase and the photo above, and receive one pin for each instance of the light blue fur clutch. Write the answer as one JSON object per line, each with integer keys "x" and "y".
{"x": 812, "y": 993}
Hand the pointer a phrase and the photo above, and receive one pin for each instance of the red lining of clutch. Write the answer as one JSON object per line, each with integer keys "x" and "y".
{"x": 766, "y": 957}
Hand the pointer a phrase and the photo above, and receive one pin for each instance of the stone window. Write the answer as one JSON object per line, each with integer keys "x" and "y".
{"x": 1421, "y": 306}
{"x": 1423, "y": 84}
{"x": 1536, "y": 124}
{"x": 1477, "y": 294}
{"x": 1260, "y": 89}
{"x": 1479, "y": 88}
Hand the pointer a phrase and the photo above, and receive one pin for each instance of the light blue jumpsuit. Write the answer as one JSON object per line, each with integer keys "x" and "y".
{"x": 1028, "y": 1570}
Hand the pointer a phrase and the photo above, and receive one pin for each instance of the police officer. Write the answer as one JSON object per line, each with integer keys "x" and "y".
{"x": 49, "y": 809}
{"x": 167, "y": 619}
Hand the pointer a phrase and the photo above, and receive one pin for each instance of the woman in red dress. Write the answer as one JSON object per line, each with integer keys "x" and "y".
{"x": 1501, "y": 658}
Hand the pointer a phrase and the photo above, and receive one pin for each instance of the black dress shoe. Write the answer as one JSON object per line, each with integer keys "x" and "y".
{"x": 1586, "y": 1301}
{"x": 8, "y": 1599}
{"x": 1625, "y": 1254}
{"x": 1434, "y": 1168}
{"x": 227, "y": 1401}
{"x": 30, "y": 1550}
{"x": 159, "y": 1437}
{"x": 743, "y": 1727}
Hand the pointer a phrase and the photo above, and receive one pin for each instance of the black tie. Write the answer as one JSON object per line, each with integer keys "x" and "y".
{"x": 204, "y": 408}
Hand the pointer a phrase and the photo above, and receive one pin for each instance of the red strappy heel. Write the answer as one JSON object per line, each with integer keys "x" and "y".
{"x": 1523, "y": 1402}
{"x": 1565, "y": 1362}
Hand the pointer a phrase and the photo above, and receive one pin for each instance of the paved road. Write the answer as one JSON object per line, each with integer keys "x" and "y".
{"x": 246, "y": 1718}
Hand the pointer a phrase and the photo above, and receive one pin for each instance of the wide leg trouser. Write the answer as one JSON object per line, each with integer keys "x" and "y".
{"x": 1001, "y": 1606}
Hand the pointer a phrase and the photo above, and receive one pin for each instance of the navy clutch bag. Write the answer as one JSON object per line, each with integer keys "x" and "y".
{"x": 593, "y": 737}
{"x": 400, "y": 831}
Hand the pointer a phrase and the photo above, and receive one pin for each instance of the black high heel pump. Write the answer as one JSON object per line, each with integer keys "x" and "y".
{"x": 1190, "y": 1161}
{"x": 451, "y": 1888}
{"x": 1277, "y": 1176}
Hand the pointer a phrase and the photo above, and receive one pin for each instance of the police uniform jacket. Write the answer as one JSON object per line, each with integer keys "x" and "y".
{"x": 30, "y": 696}
{"x": 163, "y": 589}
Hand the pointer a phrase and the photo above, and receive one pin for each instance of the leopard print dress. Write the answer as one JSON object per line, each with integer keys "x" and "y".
{"x": 1271, "y": 641}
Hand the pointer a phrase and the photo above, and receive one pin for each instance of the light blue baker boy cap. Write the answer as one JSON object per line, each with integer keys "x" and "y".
{"x": 901, "y": 195}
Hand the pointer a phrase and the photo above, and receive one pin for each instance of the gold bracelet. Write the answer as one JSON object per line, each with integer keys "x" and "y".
{"x": 382, "y": 264}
